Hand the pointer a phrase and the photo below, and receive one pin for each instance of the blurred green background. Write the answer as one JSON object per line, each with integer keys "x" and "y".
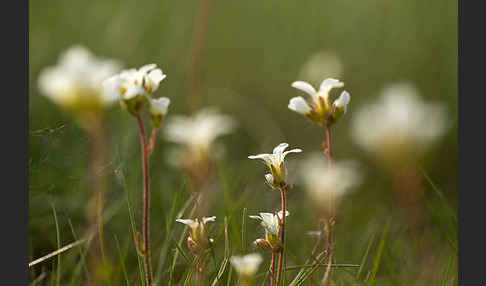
{"x": 252, "y": 53}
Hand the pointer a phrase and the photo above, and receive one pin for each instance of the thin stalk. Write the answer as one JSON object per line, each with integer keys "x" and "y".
{"x": 272, "y": 269}
{"x": 330, "y": 222}
{"x": 146, "y": 203}
{"x": 282, "y": 235}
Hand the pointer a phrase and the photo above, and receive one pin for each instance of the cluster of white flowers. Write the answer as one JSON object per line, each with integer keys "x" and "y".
{"x": 399, "y": 121}
{"x": 75, "y": 82}
{"x": 134, "y": 87}
{"x": 320, "y": 111}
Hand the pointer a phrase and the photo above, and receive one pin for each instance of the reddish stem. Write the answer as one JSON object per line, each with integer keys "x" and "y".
{"x": 331, "y": 207}
{"x": 153, "y": 136}
{"x": 282, "y": 235}
{"x": 146, "y": 203}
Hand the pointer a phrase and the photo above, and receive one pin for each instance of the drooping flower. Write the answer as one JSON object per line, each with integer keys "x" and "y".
{"x": 246, "y": 266}
{"x": 325, "y": 185}
{"x": 276, "y": 163}
{"x": 75, "y": 82}
{"x": 199, "y": 132}
{"x": 134, "y": 87}
{"x": 320, "y": 110}
{"x": 198, "y": 240}
{"x": 399, "y": 122}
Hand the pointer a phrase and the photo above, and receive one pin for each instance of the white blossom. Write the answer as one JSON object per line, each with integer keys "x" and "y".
{"x": 398, "y": 119}
{"x": 324, "y": 184}
{"x": 320, "y": 110}
{"x": 159, "y": 106}
{"x": 246, "y": 265}
{"x": 75, "y": 82}
{"x": 199, "y": 132}
{"x": 133, "y": 83}
{"x": 276, "y": 163}
{"x": 270, "y": 222}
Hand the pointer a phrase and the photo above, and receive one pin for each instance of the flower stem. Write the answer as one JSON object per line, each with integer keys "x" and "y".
{"x": 330, "y": 221}
{"x": 272, "y": 269}
{"x": 282, "y": 234}
{"x": 146, "y": 203}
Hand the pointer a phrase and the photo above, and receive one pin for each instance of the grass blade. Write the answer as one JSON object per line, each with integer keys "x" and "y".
{"x": 365, "y": 257}
{"x": 58, "y": 237}
{"x": 381, "y": 247}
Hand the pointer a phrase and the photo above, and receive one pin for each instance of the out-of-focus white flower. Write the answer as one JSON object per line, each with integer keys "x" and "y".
{"x": 322, "y": 64}
{"x": 270, "y": 222}
{"x": 326, "y": 185}
{"x": 276, "y": 164}
{"x": 198, "y": 240}
{"x": 75, "y": 82}
{"x": 399, "y": 121}
{"x": 201, "y": 130}
{"x": 158, "y": 109}
{"x": 133, "y": 86}
{"x": 320, "y": 110}
{"x": 246, "y": 265}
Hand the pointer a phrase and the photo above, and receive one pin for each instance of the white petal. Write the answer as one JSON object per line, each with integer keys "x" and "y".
{"x": 159, "y": 105}
{"x": 305, "y": 87}
{"x": 209, "y": 219}
{"x": 146, "y": 68}
{"x": 255, "y": 217}
{"x": 269, "y": 178}
{"x": 153, "y": 78}
{"x": 296, "y": 150}
{"x": 299, "y": 105}
{"x": 343, "y": 100}
{"x": 264, "y": 157}
{"x": 191, "y": 223}
{"x": 329, "y": 84}
{"x": 287, "y": 213}
{"x": 280, "y": 148}
{"x": 133, "y": 91}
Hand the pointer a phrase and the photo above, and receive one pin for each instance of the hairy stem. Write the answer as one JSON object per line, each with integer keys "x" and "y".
{"x": 282, "y": 236}
{"x": 146, "y": 203}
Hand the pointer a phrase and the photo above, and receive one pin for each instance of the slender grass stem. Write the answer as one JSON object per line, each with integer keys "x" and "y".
{"x": 272, "y": 269}
{"x": 146, "y": 203}
{"x": 282, "y": 235}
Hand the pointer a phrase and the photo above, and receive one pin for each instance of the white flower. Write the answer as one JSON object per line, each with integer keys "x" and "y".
{"x": 199, "y": 132}
{"x": 75, "y": 82}
{"x": 324, "y": 184}
{"x": 134, "y": 83}
{"x": 276, "y": 163}
{"x": 159, "y": 106}
{"x": 270, "y": 221}
{"x": 198, "y": 240}
{"x": 399, "y": 120}
{"x": 246, "y": 265}
{"x": 324, "y": 89}
{"x": 321, "y": 111}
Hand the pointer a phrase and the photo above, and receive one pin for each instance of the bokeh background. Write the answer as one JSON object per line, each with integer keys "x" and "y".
{"x": 252, "y": 52}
